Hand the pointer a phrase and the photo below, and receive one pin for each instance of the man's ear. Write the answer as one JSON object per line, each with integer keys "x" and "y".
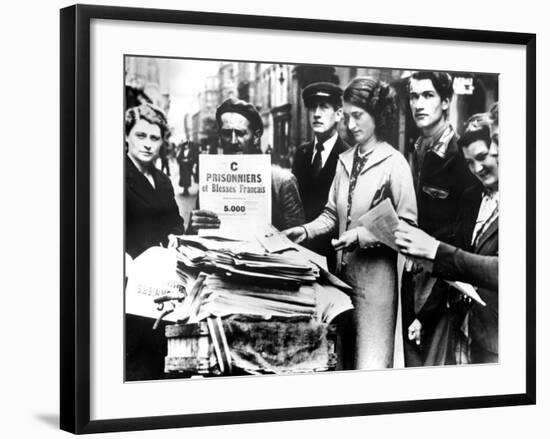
{"x": 445, "y": 104}
{"x": 339, "y": 114}
{"x": 257, "y": 137}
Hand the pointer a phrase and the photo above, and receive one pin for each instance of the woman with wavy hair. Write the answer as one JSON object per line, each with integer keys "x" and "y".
{"x": 151, "y": 210}
{"x": 366, "y": 175}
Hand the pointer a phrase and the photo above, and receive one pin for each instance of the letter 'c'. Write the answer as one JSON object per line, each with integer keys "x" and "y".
{"x": 233, "y": 166}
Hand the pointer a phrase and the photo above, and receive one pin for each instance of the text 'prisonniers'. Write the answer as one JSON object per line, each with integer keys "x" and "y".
{"x": 233, "y": 178}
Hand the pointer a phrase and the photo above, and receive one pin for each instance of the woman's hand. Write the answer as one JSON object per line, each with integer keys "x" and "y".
{"x": 296, "y": 234}
{"x": 203, "y": 219}
{"x": 347, "y": 241}
{"x": 366, "y": 239}
{"x": 415, "y": 332}
{"x": 412, "y": 241}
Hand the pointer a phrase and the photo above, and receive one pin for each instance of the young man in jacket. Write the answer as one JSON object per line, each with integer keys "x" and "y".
{"x": 315, "y": 161}
{"x": 440, "y": 176}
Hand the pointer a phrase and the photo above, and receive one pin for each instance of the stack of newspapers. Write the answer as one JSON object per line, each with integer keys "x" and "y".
{"x": 243, "y": 278}
{"x": 245, "y": 261}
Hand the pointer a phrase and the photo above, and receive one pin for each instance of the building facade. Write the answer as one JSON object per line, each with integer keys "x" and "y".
{"x": 275, "y": 90}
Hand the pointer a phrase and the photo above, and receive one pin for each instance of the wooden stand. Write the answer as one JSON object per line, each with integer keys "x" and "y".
{"x": 191, "y": 351}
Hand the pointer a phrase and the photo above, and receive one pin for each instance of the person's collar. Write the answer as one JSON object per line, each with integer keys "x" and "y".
{"x": 327, "y": 144}
{"x": 489, "y": 193}
{"x": 438, "y": 142}
{"x": 360, "y": 154}
{"x": 139, "y": 167}
{"x": 376, "y": 155}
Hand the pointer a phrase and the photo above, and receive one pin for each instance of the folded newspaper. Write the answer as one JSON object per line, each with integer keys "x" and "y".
{"x": 382, "y": 221}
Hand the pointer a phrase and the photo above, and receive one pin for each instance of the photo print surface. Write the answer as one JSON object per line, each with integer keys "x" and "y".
{"x": 299, "y": 218}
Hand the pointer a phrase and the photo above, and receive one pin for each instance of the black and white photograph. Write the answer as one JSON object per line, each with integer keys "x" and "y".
{"x": 307, "y": 218}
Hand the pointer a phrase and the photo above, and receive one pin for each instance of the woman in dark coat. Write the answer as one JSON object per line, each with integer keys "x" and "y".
{"x": 151, "y": 215}
{"x": 151, "y": 211}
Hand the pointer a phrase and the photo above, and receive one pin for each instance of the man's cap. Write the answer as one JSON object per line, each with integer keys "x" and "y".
{"x": 325, "y": 91}
{"x": 245, "y": 109}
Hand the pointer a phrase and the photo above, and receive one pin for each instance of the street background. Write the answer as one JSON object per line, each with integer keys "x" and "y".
{"x": 30, "y": 220}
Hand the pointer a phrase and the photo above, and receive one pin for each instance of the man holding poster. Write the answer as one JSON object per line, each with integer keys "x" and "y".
{"x": 234, "y": 190}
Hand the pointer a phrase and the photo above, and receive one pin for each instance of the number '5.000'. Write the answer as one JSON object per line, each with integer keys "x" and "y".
{"x": 234, "y": 208}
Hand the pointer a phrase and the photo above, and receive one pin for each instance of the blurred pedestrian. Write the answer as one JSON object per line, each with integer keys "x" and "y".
{"x": 185, "y": 162}
{"x": 165, "y": 158}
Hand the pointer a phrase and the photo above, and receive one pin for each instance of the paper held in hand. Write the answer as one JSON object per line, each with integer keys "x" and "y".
{"x": 468, "y": 290}
{"x": 382, "y": 221}
{"x": 238, "y": 189}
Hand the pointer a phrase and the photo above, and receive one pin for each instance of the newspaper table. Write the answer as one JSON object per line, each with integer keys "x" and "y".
{"x": 246, "y": 309}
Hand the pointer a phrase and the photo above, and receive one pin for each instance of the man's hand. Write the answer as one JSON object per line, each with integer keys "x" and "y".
{"x": 412, "y": 241}
{"x": 347, "y": 241}
{"x": 203, "y": 219}
{"x": 415, "y": 332}
{"x": 296, "y": 234}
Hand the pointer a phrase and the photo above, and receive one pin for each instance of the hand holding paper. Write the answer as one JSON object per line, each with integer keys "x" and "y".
{"x": 347, "y": 240}
{"x": 381, "y": 222}
{"x": 296, "y": 234}
{"x": 467, "y": 290}
{"x": 203, "y": 219}
{"x": 414, "y": 242}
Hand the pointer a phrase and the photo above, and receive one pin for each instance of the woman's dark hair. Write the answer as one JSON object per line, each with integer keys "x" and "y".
{"x": 478, "y": 127}
{"x": 375, "y": 97}
{"x": 149, "y": 113}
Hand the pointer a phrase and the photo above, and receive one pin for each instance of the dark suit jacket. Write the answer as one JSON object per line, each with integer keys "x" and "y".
{"x": 151, "y": 213}
{"x": 439, "y": 186}
{"x": 477, "y": 265}
{"x": 314, "y": 191}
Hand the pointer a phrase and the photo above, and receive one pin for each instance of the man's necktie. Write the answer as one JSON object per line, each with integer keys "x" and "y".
{"x": 317, "y": 164}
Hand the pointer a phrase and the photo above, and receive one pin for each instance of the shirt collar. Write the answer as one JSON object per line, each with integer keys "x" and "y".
{"x": 490, "y": 195}
{"x": 327, "y": 144}
{"x": 437, "y": 143}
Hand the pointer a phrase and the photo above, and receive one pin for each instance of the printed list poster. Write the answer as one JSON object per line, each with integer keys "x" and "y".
{"x": 238, "y": 189}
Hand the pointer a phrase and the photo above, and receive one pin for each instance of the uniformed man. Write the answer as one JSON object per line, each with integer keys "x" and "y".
{"x": 315, "y": 162}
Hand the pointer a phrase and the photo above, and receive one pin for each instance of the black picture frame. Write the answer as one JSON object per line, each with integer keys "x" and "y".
{"x": 75, "y": 217}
